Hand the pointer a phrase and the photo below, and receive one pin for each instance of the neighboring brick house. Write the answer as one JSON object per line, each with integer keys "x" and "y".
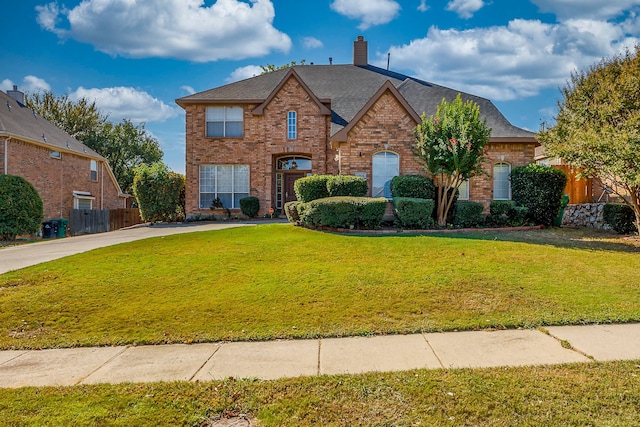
{"x": 257, "y": 136}
{"x": 67, "y": 174}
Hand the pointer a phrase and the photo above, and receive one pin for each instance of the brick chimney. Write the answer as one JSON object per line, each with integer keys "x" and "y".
{"x": 17, "y": 95}
{"x": 360, "y": 52}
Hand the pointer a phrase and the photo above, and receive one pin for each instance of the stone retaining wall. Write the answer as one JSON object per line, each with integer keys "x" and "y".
{"x": 584, "y": 215}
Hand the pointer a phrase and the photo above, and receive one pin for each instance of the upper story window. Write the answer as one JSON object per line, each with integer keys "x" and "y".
{"x": 55, "y": 154}
{"x": 224, "y": 122}
{"x": 292, "y": 125}
{"x": 501, "y": 181}
{"x": 94, "y": 170}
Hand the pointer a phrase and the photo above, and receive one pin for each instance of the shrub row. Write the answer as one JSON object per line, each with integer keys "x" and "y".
{"x": 620, "y": 217}
{"x": 413, "y": 212}
{"x": 316, "y": 187}
{"x": 413, "y": 186}
{"x": 339, "y": 212}
{"x": 468, "y": 215}
{"x": 506, "y": 212}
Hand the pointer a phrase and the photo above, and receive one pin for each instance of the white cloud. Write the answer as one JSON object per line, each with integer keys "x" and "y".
{"x": 593, "y": 9}
{"x": 422, "y": 7}
{"x": 30, "y": 84}
{"x": 182, "y": 29}
{"x": 127, "y": 103}
{"x": 465, "y": 8}
{"x": 190, "y": 90}
{"x": 369, "y": 12}
{"x": 311, "y": 43}
{"x": 244, "y": 73}
{"x": 512, "y": 62}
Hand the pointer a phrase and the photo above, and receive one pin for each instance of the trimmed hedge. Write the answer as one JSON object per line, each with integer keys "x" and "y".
{"x": 540, "y": 189}
{"x": 347, "y": 185}
{"x": 250, "y": 206}
{"x": 505, "y": 212}
{"x": 413, "y": 212}
{"x": 311, "y": 188}
{"x": 620, "y": 217}
{"x": 343, "y": 212}
{"x": 21, "y": 209}
{"x": 412, "y": 186}
{"x": 468, "y": 214}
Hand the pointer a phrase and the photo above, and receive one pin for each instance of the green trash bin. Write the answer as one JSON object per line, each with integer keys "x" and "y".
{"x": 557, "y": 222}
{"x": 62, "y": 227}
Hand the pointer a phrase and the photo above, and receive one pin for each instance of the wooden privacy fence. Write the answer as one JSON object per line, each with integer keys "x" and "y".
{"x": 580, "y": 190}
{"x": 90, "y": 221}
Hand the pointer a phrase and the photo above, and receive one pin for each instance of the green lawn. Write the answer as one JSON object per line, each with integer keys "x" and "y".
{"x": 588, "y": 394}
{"x": 279, "y": 281}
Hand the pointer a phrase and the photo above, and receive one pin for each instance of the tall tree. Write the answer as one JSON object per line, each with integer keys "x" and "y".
{"x": 452, "y": 146}
{"x": 598, "y": 125}
{"x": 78, "y": 118}
{"x": 125, "y": 146}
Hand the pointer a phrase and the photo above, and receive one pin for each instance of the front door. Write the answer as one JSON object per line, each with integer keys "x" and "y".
{"x": 289, "y": 179}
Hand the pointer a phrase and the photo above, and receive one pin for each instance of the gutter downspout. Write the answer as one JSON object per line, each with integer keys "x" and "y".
{"x": 6, "y": 155}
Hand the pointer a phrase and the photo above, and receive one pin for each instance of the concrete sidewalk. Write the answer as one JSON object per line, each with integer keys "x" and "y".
{"x": 278, "y": 359}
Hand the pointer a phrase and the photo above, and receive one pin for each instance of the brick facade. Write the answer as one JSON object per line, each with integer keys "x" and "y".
{"x": 56, "y": 179}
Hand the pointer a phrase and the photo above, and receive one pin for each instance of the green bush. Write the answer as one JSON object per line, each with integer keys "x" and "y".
{"x": 468, "y": 214}
{"x": 505, "y": 212}
{"x": 159, "y": 192}
{"x": 311, "y": 188}
{"x": 21, "y": 209}
{"x": 539, "y": 189}
{"x": 413, "y": 186}
{"x": 413, "y": 212}
{"x": 347, "y": 185}
{"x": 343, "y": 212}
{"x": 250, "y": 206}
{"x": 620, "y": 217}
{"x": 291, "y": 211}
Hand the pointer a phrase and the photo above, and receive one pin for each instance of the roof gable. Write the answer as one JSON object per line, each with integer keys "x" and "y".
{"x": 341, "y": 136}
{"x": 259, "y": 110}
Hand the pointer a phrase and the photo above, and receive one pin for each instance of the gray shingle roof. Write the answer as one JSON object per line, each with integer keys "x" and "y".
{"x": 22, "y": 123}
{"x": 348, "y": 88}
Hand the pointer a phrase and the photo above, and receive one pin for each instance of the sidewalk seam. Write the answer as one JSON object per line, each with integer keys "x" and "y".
{"x": 14, "y": 358}
{"x": 319, "y": 349}
{"x": 570, "y": 346}
{"x": 433, "y": 350}
{"x": 101, "y": 366}
{"x": 205, "y": 362}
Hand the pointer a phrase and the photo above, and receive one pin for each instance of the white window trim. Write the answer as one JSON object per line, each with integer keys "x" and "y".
{"x": 55, "y": 154}
{"x": 373, "y": 174}
{"x": 292, "y": 125}
{"x": 233, "y": 189}
{"x": 224, "y": 122}
{"x": 92, "y": 164}
{"x": 464, "y": 195}
{"x": 508, "y": 181}
{"x": 82, "y": 195}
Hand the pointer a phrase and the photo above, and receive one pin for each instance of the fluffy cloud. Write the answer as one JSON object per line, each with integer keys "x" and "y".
{"x": 369, "y": 12}
{"x": 244, "y": 73}
{"x": 422, "y": 7}
{"x": 126, "y": 102}
{"x": 182, "y": 29}
{"x": 29, "y": 84}
{"x": 465, "y": 8}
{"x": 505, "y": 63}
{"x": 311, "y": 43}
{"x": 592, "y": 9}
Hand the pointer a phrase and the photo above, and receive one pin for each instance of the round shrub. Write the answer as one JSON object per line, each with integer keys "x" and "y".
{"x": 21, "y": 209}
{"x": 414, "y": 186}
{"x": 539, "y": 189}
{"x": 468, "y": 214}
{"x": 250, "y": 206}
{"x": 311, "y": 188}
{"x": 347, "y": 185}
{"x": 414, "y": 213}
{"x": 620, "y": 217}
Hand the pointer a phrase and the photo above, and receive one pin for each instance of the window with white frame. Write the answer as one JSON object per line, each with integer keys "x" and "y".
{"x": 94, "y": 170}
{"x": 225, "y": 122}
{"x": 82, "y": 200}
{"x": 55, "y": 154}
{"x": 229, "y": 183}
{"x": 501, "y": 181}
{"x": 386, "y": 165}
{"x": 463, "y": 190}
{"x": 292, "y": 125}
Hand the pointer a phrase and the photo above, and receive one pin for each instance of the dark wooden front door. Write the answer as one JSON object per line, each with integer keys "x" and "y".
{"x": 289, "y": 179}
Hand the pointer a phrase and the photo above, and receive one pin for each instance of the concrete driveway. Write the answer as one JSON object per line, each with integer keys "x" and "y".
{"x": 15, "y": 257}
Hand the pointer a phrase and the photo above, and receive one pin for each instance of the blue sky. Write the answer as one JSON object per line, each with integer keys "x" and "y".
{"x": 135, "y": 57}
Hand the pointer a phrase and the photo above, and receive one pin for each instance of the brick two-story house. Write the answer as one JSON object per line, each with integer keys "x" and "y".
{"x": 257, "y": 136}
{"x": 66, "y": 173}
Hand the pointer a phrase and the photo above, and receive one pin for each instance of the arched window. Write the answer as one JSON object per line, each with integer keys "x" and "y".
{"x": 501, "y": 181}
{"x": 386, "y": 165}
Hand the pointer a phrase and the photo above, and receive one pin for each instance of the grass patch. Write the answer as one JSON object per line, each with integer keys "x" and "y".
{"x": 578, "y": 394}
{"x": 279, "y": 281}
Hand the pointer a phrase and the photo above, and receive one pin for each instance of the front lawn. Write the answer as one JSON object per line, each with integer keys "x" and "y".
{"x": 279, "y": 281}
